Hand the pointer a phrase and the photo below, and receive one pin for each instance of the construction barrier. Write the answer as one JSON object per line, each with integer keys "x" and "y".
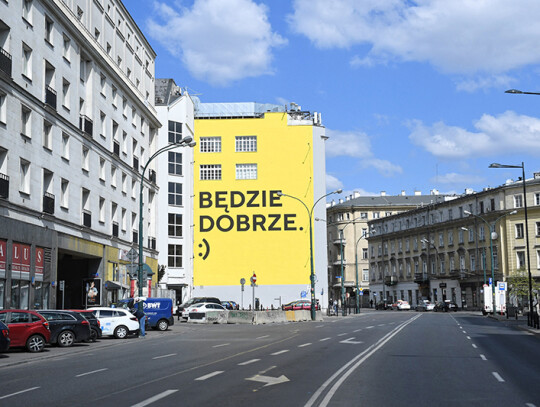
{"x": 256, "y": 317}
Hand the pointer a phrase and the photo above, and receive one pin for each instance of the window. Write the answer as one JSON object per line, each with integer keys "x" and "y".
{"x": 113, "y": 176}
{"x": 471, "y": 235}
{"x": 520, "y": 258}
{"x": 27, "y": 10}
{"x": 80, "y": 13}
{"x": 65, "y": 146}
{"x": 246, "y": 143}
{"x": 387, "y": 213}
{"x": 114, "y": 95}
{"x": 85, "y": 159}
{"x": 175, "y": 163}
{"x": 66, "y": 49}
{"x": 64, "y": 193}
{"x": 518, "y": 201}
{"x": 3, "y": 108}
{"x": 27, "y": 61}
{"x": 460, "y": 236}
{"x": 365, "y": 275}
{"x": 537, "y": 199}
{"x": 538, "y": 230}
{"x": 102, "y": 169}
{"x": 364, "y": 253}
{"x": 519, "y": 230}
{"x": 450, "y": 237}
{"x": 450, "y": 214}
{"x": 175, "y": 193}
{"x": 441, "y": 239}
{"x": 26, "y": 120}
{"x": 481, "y": 233}
{"x": 175, "y": 224}
{"x": 101, "y": 210}
{"x": 363, "y": 215}
{"x": 24, "y": 185}
{"x": 124, "y": 220}
{"x": 47, "y": 135}
{"x": 376, "y": 215}
{"x": 246, "y": 171}
{"x": 210, "y": 172}
{"x": 174, "y": 255}
{"x": 133, "y": 189}
{"x": 48, "y": 30}
{"x": 124, "y": 183}
{"x": 210, "y": 144}
{"x": 124, "y": 107}
{"x": 65, "y": 93}
{"x": 103, "y": 85}
{"x": 124, "y": 143}
{"x": 103, "y": 125}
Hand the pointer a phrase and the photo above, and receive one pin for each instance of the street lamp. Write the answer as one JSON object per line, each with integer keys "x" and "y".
{"x": 492, "y": 235}
{"x": 364, "y": 235}
{"x": 310, "y": 217}
{"x": 185, "y": 142}
{"x": 518, "y": 92}
{"x": 522, "y": 166}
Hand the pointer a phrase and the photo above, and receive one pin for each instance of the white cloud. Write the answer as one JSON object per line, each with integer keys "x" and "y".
{"x": 506, "y": 133}
{"x": 219, "y": 41}
{"x": 454, "y": 178}
{"x": 457, "y": 36}
{"x": 332, "y": 183}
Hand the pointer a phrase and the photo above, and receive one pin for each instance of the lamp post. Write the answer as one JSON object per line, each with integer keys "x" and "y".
{"x": 365, "y": 235}
{"x": 530, "y": 318}
{"x": 343, "y": 311}
{"x": 428, "y": 242}
{"x": 185, "y": 142}
{"x": 492, "y": 235}
{"x": 310, "y": 217}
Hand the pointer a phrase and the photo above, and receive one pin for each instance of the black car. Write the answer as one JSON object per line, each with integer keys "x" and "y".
{"x": 67, "y": 327}
{"x": 445, "y": 306}
{"x": 195, "y": 300}
{"x": 95, "y": 326}
{"x": 4, "y": 337}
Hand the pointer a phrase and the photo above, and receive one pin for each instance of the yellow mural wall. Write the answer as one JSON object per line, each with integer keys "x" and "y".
{"x": 244, "y": 226}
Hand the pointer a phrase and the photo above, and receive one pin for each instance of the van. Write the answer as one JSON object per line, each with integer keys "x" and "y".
{"x": 195, "y": 300}
{"x": 159, "y": 312}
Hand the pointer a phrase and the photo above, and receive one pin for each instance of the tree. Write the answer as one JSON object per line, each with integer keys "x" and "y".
{"x": 518, "y": 285}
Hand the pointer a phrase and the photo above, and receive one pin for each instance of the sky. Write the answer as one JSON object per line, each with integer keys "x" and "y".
{"x": 412, "y": 93}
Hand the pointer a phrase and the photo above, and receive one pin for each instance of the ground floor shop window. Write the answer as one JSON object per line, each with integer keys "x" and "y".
{"x": 20, "y": 294}
{"x": 2, "y": 285}
{"x": 41, "y": 295}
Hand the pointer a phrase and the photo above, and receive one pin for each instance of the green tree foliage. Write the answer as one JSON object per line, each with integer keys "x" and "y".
{"x": 518, "y": 283}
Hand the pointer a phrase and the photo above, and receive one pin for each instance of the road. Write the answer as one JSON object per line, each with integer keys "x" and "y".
{"x": 378, "y": 358}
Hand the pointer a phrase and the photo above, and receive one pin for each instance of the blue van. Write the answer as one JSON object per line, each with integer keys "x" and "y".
{"x": 159, "y": 312}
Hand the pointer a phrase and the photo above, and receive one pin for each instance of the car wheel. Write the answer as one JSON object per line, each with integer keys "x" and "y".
{"x": 35, "y": 343}
{"x": 120, "y": 332}
{"x": 163, "y": 325}
{"x": 65, "y": 339}
{"x": 93, "y": 335}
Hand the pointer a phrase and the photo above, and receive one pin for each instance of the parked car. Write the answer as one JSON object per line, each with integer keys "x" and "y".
{"x": 401, "y": 305}
{"x": 67, "y": 327}
{"x": 230, "y": 305}
{"x": 95, "y": 326}
{"x": 26, "y": 329}
{"x": 445, "y": 306}
{"x": 158, "y": 311}
{"x": 383, "y": 305}
{"x": 299, "y": 305}
{"x": 198, "y": 311}
{"x": 116, "y": 322}
{"x": 195, "y": 300}
{"x": 425, "y": 305}
{"x": 4, "y": 337}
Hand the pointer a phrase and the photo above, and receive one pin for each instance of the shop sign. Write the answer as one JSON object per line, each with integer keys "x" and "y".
{"x": 20, "y": 268}
{"x": 39, "y": 263}
{"x": 3, "y": 248}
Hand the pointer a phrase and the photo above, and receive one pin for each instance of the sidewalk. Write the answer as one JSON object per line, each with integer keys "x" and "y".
{"x": 519, "y": 323}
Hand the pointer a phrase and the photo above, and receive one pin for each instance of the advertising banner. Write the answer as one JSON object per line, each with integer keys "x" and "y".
{"x": 39, "y": 264}
{"x": 20, "y": 268}
{"x": 3, "y": 255}
{"x": 92, "y": 292}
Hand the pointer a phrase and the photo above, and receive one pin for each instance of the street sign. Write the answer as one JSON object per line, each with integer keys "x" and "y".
{"x": 253, "y": 278}
{"x": 303, "y": 294}
{"x": 502, "y": 285}
{"x": 242, "y": 281}
{"x": 133, "y": 255}
{"x": 361, "y": 292}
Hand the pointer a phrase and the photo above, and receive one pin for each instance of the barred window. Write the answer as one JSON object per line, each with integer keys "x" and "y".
{"x": 246, "y": 143}
{"x": 175, "y": 224}
{"x": 175, "y": 163}
{"x": 175, "y": 132}
{"x": 175, "y": 193}
{"x": 246, "y": 171}
{"x": 210, "y": 171}
{"x": 174, "y": 258}
{"x": 210, "y": 144}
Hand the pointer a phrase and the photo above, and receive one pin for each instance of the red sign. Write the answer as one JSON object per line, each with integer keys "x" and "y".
{"x": 3, "y": 248}
{"x": 21, "y": 258}
{"x": 39, "y": 263}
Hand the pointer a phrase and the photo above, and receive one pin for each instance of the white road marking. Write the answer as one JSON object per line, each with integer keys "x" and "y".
{"x": 483, "y": 357}
{"x": 209, "y": 375}
{"x": 218, "y": 346}
{"x": 92, "y": 372}
{"x": 248, "y": 362}
{"x": 268, "y": 379}
{"x": 165, "y": 356}
{"x": 154, "y": 398}
{"x": 497, "y": 376}
{"x": 280, "y": 352}
{"x": 464, "y": 332}
{"x": 468, "y": 337}
{"x": 305, "y": 344}
{"x": 369, "y": 327}
{"x": 19, "y": 392}
{"x": 324, "y": 339}
{"x": 474, "y": 346}
{"x": 261, "y": 337}
{"x": 381, "y": 325}
{"x": 358, "y": 330}
{"x": 350, "y": 341}
{"x": 319, "y": 326}
{"x": 530, "y": 405}
{"x": 343, "y": 334}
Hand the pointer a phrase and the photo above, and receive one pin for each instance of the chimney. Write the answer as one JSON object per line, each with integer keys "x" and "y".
{"x": 383, "y": 193}
{"x": 356, "y": 194}
{"x": 536, "y": 175}
{"x": 402, "y": 192}
{"x": 417, "y": 193}
{"x": 469, "y": 191}
{"x": 434, "y": 192}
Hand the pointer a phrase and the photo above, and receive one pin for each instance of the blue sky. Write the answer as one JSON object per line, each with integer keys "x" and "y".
{"x": 411, "y": 92}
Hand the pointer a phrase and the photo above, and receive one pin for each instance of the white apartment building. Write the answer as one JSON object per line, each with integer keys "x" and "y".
{"x": 175, "y": 178}
{"x": 76, "y": 124}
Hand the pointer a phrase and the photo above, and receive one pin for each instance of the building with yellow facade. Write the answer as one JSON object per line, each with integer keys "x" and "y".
{"x": 247, "y": 154}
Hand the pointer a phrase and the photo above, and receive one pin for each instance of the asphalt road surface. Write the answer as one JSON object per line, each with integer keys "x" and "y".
{"x": 377, "y": 358}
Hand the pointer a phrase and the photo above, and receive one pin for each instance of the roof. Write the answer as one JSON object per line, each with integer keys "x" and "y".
{"x": 389, "y": 200}
{"x": 236, "y": 110}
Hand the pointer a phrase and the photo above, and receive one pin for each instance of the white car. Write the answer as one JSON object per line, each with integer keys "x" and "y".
{"x": 116, "y": 322}
{"x": 197, "y": 312}
{"x": 403, "y": 305}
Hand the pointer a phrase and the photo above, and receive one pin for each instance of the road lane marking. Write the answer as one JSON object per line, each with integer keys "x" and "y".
{"x": 92, "y": 372}
{"x": 358, "y": 330}
{"x": 369, "y": 327}
{"x": 165, "y": 356}
{"x": 350, "y": 341}
{"x": 209, "y": 375}
{"x": 220, "y": 345}
{"x": 19, "y": 392}
{"x": 352, "y": 365}
{"x": 268, "y": 380}
{"x": 154, "y": 398}
{"x": 280, "y": 352}
{"x": 324, "y": 339}
{"x": 248, "y": 362}
{"x": 261, "y": 337}
{"x": 343, "y": 334}
{"x": 474, "y": 346}
{"x": 497, "y": 376}
{"x": 319, "y": 326}
{"x": 381, "y": 325}
{"x": 468, "y": 337}
{"x": 483, "y": 357}
{"x": 530, "y": 405}
{"x": 305, "y": 344}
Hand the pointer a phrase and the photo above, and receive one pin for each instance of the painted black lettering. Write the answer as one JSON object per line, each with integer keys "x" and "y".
{"x": 258, "y": 220}
{"x": 274, "y": 198}
{"x": 202, "y": 220}
{"x": 288, "y": 221}
{"x": 242, "y": 223}
{"x": 254, "y": 195}
{"x": 221, "y": 199}
{"x": 221, "y": 219}
{"x": 275, "y": 219}
{"x": 205, "y": 199}
{"x": 241, "y": 199}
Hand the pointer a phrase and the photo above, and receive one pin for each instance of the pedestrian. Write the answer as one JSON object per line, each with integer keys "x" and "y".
{"x": 139, "y": 314}
{"x": 371, "y": 303}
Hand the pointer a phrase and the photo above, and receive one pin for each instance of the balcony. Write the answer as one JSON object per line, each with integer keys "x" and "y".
{"x": 48, "y": 203}
{"x": 50, "y": 97}
{"x": 136, "y": 163}
{"x": 115, "y": 229}
{"x": 5, "y": 62}
{"x": 86, "y": 125}
{"x": 4, "y": 186}
{"x": 116, "y": 148}
{"x": 421, "y": 278}
{"x": 87, "y": 219}
{"x": 152, "y": 243}
{"x": 390, "y": 280}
